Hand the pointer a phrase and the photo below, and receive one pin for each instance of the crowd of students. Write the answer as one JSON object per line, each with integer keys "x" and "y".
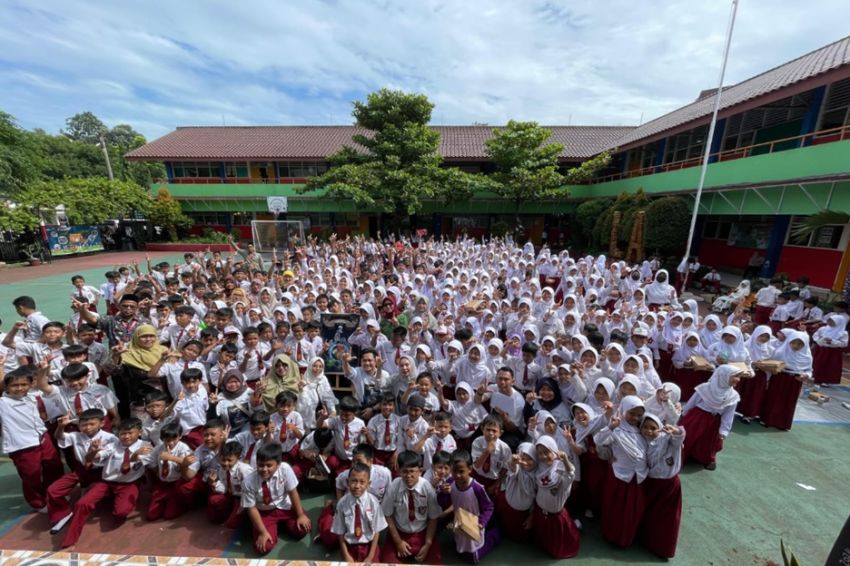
{"x": 530, "y": 388}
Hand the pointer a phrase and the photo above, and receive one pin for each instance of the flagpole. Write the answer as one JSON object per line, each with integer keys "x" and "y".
{"x": 709, "y": 139}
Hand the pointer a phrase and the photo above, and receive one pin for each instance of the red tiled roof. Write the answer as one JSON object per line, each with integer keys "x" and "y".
{"x": 807, "y": 66}
{"x": 317, "y": 142}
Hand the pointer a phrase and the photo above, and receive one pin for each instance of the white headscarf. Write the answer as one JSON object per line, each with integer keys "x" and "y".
{"x": 759, "y": 351}
{"x": 735, "y": 352}
{"x": 716, "y": 393}
{"x": 548, "y": 475}
{"x": 799, "y": 361}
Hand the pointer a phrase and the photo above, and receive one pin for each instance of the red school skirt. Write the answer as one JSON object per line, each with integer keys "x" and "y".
{"x": 827, "y": 364}
{"x": 762, "y": 314}
{"x": 623, "y": 505}
{"x": 511, "y": 520}
{"x": 594, "y": 473}
{"x": 752, "y": 391}
{"x": 665, "y": 364}
{"x": 663, "y": 514}
{"x": 556, "y": 533}
{"x": 687, "y": 379}
{"x": 703, "y": 441}
{"x": 780, "y": 401}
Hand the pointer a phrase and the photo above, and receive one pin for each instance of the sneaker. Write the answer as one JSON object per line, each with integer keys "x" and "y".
{"x": 711, "y": 467}
{"x": 60, "y": 524}
{"x": 746, "y": 420}
{"x": 578, "y": 524}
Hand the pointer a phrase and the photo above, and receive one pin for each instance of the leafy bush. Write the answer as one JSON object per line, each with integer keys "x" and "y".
{"x": 666, "y": 226}
{"x": 587, "y": 216}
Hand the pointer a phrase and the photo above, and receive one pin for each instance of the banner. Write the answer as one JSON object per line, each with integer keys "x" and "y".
{"x": 336, "y": 330}
{"x": 68, "y": 240}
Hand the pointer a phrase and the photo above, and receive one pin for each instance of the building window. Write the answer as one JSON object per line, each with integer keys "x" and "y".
{"x": 208, "y": 218}
{"x": 826, "y": 237}
{"x": 302, "y": 168}
{"x": 195, "y": 169}
{"x": 716, "y": 229}
{"x": 836, "y": 108}
{"x": 236, "y": 169}
{"x": 687, "y": 145}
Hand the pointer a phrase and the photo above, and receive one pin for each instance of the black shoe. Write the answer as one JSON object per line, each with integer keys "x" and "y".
{"x": 60, "y": 524}
{"x": 711, "y": 467}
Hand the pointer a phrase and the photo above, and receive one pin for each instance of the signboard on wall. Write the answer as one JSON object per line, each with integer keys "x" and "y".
{"x": 749, "y": 235}
{"x": 277, "y": 205}
{"x": 68, "y": 240}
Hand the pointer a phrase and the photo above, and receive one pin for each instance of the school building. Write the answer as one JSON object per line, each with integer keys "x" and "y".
{"x": 781, "y": 151}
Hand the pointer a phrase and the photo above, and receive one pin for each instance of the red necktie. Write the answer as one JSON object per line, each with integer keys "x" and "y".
{"x": 439, "y": 445}
{"x": 179, "y": 336}
{"x": 259, "y": 361}
{"x": 443, "y": 349}
{"x": 80, "y": 294}
{"x": 78, "y": 403}
{"x": 346, "y": 442}
{"x": 411, "y": 506}
{"x": 125, "y": 464}
{"x": 185, "y": 365}
{"x": 249, "y": 453}
{"x": 387, "y": 435}
{"x": 358, "y": 521}
{"x": 284, "y": 433}
{"x": 267, "y": 494}
{"x": 397, "y": 354}
{"x": 42, "y": 408}
{"x": 486, "y": 467}
{"x": 298, "y": 351}
{"x": 165, "y": 469}
{"x": 228, "y": 484}
{"x": 525, "y": 377}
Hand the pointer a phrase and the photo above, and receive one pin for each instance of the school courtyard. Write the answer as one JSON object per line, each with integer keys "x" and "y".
{"x": 769, "y": 485}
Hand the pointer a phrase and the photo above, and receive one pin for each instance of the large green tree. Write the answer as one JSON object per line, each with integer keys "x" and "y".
{"x": 85, "y": 127}
{"x": 395, "y": 167}
{"x": 166, "y": 212}
{"x": 528, "y": 167}
{"x": 87, "y": 201}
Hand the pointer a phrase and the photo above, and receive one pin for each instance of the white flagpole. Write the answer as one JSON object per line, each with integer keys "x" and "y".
{"x": 709, "y": 139}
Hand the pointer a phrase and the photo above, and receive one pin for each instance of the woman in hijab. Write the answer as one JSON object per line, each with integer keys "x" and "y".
{"x": 284, "y": 376}
{"x": 660, "y": 293}
{"x": 547, "y": 398}
{"x": 752, "y": 389}
{"x": 315, "y": 391}
{"x": 131, "y": 385}
{"x": 234, "y": 403}
{"x": 830, "y": 342}
{"x": 709, "y": 414}
{"x": 783, "y": 389}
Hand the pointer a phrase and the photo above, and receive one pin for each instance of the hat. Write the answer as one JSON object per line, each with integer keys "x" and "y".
{"x": 640, "y": 330}
{"x": 416, "y": 401}
{"x": 231, "y": 330}
{"x": 288, "y": 273}
{"x": 442, "y": 330}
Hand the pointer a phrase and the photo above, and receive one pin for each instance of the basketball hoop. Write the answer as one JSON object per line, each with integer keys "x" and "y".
{"x": 277, "y": 205}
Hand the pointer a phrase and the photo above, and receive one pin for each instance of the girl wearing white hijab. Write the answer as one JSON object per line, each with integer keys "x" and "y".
{"x": 671, "y": 338}
{"x": 709, "y": 414}
{"x": 623, "y": 501}
{"x": 514, "y": 503}
{"x": 472, "y": 368}
{"x": 783, "y": 389}
{"x": 315, "y": 389}
{"x": 730, "y": 348}
{"x": 554, "y": 529}
{"x": 830, "y": 341}
{"x": 591, "y": 471}
{"x": 684, "y": 374}
{"x": 711, "y": 330}
{"x": 665, "y": 403}
{"x": 752, "y": 389}
{"x": 660, "y": 293}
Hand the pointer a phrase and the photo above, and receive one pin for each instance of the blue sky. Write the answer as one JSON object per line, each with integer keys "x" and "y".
{"x": 161, "y": 64}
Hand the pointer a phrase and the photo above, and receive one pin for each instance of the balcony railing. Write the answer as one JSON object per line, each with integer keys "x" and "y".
{"x": 773, "y": 146}
{"x": 238, "y": 181}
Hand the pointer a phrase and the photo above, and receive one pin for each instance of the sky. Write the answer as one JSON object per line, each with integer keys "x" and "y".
{"x": 160, "y": 64}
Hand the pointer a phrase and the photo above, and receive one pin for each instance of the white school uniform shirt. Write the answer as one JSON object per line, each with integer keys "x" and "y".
{"x": 420, "y": 429}
{"x": 238, "y": 474}
{"x": 92, "y": 397}
{"x": 520, "y": 489}
{"x": 280, "y": 484}
{"x": 250, "y": 445}
{"x": 535, "y": 373}
{"x": 551, "y": 498}
{"x": 302, "y": 351}
{"x": 390, "y": 355}
{"x": 181, "y": 450}
{"x": 372, "y": 520}
{"x": 727, "y": 417}
{"x": 151, "y": 428}
{"x": 206, "y": 460}
{"x": 625, "y": 466}
{"x": 425, "y": 506}
{"x": 35, "y": 321}
{"x": 664, "y": 455}
{"x": 80, "y": 442}
{"x": 499, "y": 459}
{"x": 191, "y": 411}
{"x": 466, "y": 418}
{"x": 432, "y": 402}
{"x": 256, "y": 367}
{"x": 380, "y": 479}
{"x": 356, "y": 433}
{"x": 171, "y": 372}
{"x": 384, "y": 437}
{"x": 516, "y": 416}
{"x": 433, "y": 445}
{"x": 87, "y": 292}
{"x": 111, "y": 459}
{"x": 177, "y": 335}
{"x": 287, "y": 440}
{"x": 38, "y": 351}
{"x": 21, "y": 423}
{"x": 782, "y": 313}
{"x": 766, "y": 296}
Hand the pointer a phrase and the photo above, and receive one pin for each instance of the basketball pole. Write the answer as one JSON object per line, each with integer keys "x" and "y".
{"x": 708, "y": 141}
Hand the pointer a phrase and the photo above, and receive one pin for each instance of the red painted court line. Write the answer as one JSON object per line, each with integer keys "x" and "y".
{"x": 67, "y": 265}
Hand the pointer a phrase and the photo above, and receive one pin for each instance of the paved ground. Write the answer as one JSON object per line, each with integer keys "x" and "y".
{"x": 768, "y": 484}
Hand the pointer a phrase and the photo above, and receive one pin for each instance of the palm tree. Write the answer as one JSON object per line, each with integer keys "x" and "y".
{"x": 800, "y": 232}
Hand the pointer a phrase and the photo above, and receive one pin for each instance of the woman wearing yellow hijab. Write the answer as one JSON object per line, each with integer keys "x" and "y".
{"x": 284, "y": 376}
{"x": 143, "y": 352}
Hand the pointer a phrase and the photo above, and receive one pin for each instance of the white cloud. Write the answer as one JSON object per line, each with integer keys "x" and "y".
{"x": 158, "y": 64}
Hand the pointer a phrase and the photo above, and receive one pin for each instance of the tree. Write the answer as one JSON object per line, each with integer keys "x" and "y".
{"x": 394, "y": 168}
{"x": 165, "y": 211}
{"x": 528, "y": 168}
{"x": 17, "y": 161}
{"x": 87, "y": 201}
{"x": 85, "y": 127}
{"x": 666, "y": 225}
{"x": 587, "y": 216}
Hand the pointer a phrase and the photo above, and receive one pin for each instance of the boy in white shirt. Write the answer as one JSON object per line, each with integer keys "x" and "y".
{"x": 82, "y": 291}
{"x": 191, "y": 409}
{"x": 172, "y": 460}
{"x": 288, "y": 424}
{"x": 77, "y": 395}
{"x": 270, "y": 497}
{"x": 439, "y": 438}
{"x": 382, "y": 430}
{"x": 251, "y": 358}
{"x": 172, "y": 364}
{"x": 412, "y": 429}
{"x": 359, "y": 519}
{"x": 122, "y": 467}
{"x": 158, "y": 414}
{"x": 25, "y": 439}
{"x": 183, "y": 330}
{"x": 347, "y": 430}
{"x": 34, "y": 321}
{"x": 224, "y": 504}
{"x": 490, "y": 455}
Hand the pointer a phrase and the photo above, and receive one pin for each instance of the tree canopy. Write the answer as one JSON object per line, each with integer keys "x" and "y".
{"x": 394, "y": 168}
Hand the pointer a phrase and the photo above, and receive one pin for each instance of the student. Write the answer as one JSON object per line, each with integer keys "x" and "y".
{"x": 660, "y": 526}
{"x": 784, "y": 388}
{"x": 830, "y": 341}
{"x": 412, "y": 428}
{"x": 514, "y": 505}
{"x": 34, "y": 321}
{"x": 383, "y": 429}
{"x": 171, "y": 364}
{"x": 235, "y": 401}
{"x": 270, "y": 499}
{"x": 753, "y": 388}
{"x": 347, "y": 432}
{"x": 122, "y": 467}
{"x": 288, "y": 424}
{"x": 224, "y": 483}
{"x": 359, "y": 519}
{"x": 440, "y": 477}
{"x": 554, "y": 529}
{"x": 182, "y": 331}
{"x": 470, "y": 495}
{"x": 25, "y": 438}
{"x": 78, "y": 354}
{"x": 438, "y": 438}
{"x": 665, "y": 403}
{"x": 467, "y": 414}
{"x": 191, "y": 410}
{"x": 766, "y": 300}
{"x": 86, "y": 443}
{"x": 623, "y": 500}
{"x": 490, "y": 456}
{"x": 77, "y": 394}
{"x": 709, "y": 414}
{"x": 158, "y": 413}
{"x": 172, "y": 461}
{"x": 260, "y": 432}
{"x": 411, "y": 509}
{"x": 251, "y": 359}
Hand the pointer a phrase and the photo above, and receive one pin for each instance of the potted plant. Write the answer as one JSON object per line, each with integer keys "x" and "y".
{"x": 31, "y": 253}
